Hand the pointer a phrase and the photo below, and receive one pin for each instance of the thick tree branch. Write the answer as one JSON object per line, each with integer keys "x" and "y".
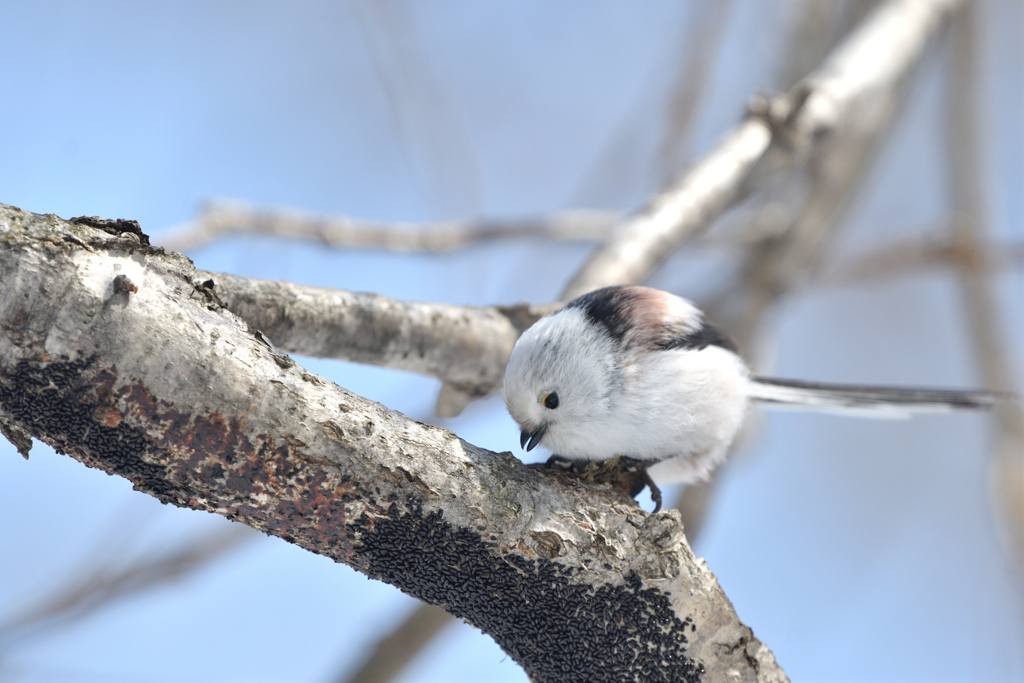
{"x": 465, "y": 346}
{"x": 230, "y": 218}
{"x": 853, "y": 90}
{"x": 115, "y": 353}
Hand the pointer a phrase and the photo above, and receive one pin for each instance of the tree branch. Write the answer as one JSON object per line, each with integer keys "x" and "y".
{"x": 152, "y": 380}
{"x": 465, "y": 346}
{"x": 683, "y": 210}
{"x": 341, "y": 232}
{"x": 919, "y": 253}
{"x": 852, "y": 90}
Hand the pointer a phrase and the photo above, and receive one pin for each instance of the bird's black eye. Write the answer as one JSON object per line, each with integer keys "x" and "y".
{"x": 551, "y": 400}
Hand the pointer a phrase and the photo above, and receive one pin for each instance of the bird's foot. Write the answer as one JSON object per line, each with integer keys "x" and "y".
{"x": 640, "y": 467}
{"x": 557, "y": 462}
{"x": 623, "y": 473}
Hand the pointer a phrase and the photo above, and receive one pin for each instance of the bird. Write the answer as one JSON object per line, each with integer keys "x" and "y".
{"x": 639, "y": 373}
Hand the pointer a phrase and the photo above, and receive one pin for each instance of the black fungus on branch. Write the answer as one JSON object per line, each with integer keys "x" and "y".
{"x": 113, "y": 226}
{"x": 49, "y": 401}
{"x": 556, "y": 628}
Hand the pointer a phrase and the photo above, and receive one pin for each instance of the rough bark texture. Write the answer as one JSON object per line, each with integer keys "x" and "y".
{"x": 464, "y": 346}
{"x": 117, "y": 354}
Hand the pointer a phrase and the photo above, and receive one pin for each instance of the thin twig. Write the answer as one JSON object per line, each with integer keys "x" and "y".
{"x": 221, "y": 219}
{"x": 443, "y": 156}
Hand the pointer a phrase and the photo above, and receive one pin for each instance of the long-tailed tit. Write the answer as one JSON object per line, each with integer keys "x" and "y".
{"x": 637, "y": 372}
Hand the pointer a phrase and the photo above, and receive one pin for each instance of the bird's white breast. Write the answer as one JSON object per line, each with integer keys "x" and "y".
{"x": 681, "y": 406}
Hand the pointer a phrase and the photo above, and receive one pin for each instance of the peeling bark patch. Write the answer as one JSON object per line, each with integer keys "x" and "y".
{"x": 108, "y": 415}
{"x": 59, "y": 403}
{"x": 216, "y": 466}
{"x": 607, "y": 633}
{"x": 113, "y": 226}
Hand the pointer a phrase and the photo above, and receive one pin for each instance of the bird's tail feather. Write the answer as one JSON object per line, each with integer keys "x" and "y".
{"x": 866, "y": 400}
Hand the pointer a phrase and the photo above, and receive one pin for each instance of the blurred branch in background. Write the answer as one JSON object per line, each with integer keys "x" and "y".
{"x": 986, "y": 326}
{"x": 923, "y": 252}
{"x": 818, "y": 26}
{"x": 683, "y": 210}
{"x": 397, "y": 649}
{"x": 816, "y": 197}
{"x": 851, "y": 94}
{"x": 222, "y": 219}
{"x": 87, "y": 592}
{"x": 803, "y": 207}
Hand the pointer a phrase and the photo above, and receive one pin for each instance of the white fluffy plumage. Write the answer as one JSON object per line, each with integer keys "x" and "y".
{"x": 628, "y": 383}
{"x": 637, "y": 372}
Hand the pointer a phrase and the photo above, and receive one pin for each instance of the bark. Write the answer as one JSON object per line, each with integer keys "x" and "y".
{"x": 118, "y": 355}
{"x": 467, "y": 347}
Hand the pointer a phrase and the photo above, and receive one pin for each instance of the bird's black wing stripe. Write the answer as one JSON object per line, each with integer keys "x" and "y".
{"x": 610, "y": 307}
{"x": 607, "y": 307}
{"x": 707, "y": 335}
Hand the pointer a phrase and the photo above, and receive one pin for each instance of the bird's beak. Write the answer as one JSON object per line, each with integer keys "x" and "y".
{"x": 533, "y": 437}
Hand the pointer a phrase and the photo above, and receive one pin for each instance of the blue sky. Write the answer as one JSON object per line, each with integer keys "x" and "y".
{"x": 854, "y": 549}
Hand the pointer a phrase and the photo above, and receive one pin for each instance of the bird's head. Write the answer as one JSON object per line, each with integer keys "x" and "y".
{"x": 560, "y": 380}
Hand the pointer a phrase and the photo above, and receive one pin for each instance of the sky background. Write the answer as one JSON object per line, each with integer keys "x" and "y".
{"x": 856, "y": 550}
